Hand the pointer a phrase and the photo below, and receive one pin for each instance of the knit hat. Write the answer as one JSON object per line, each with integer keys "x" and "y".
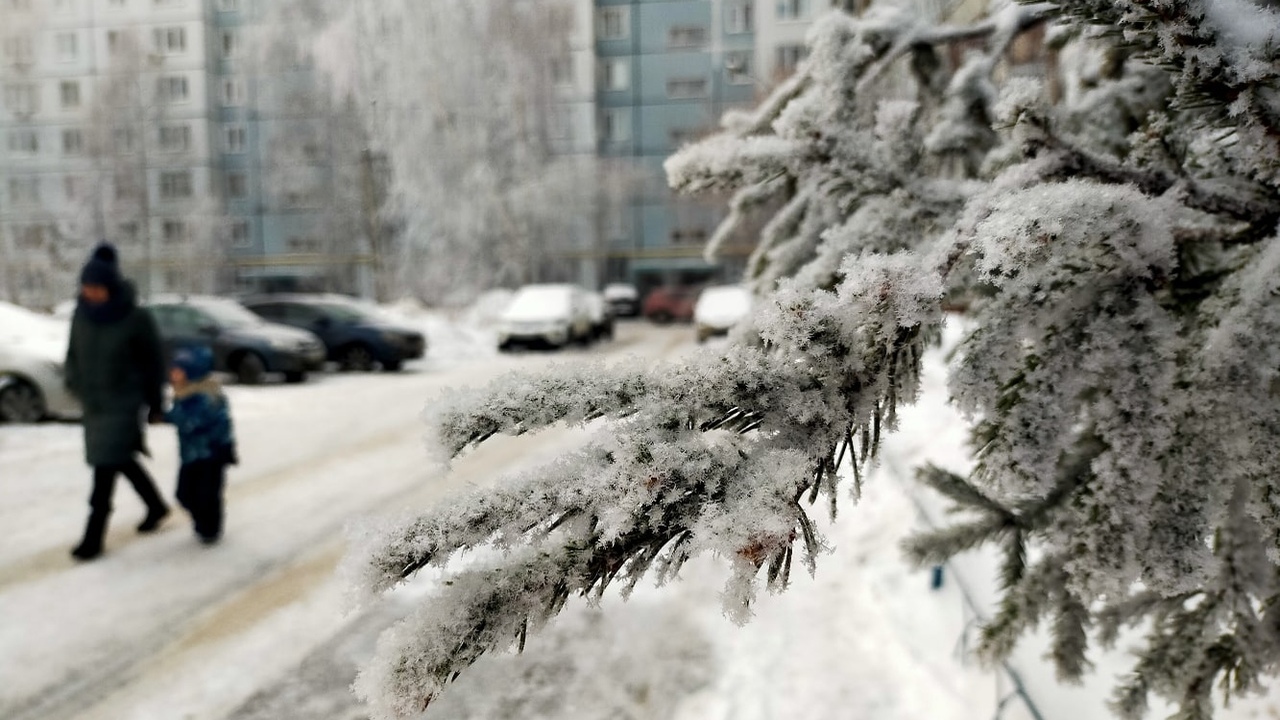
{"x": 195, "y": 361}
{"x": 103, "y": 268}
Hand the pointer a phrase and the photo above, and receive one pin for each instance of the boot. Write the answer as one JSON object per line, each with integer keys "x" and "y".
{"x": 155, "y": 516}
{"x": 91, "y": 546}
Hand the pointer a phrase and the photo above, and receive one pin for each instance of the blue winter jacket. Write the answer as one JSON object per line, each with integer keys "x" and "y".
{"x": 203, "y": 419}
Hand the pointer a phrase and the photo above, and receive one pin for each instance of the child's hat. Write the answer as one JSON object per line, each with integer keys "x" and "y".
{"x": 195, "y": 361}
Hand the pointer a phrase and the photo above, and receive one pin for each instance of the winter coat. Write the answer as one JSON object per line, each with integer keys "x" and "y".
{"x": 201, "y": 414}
{"x": 115, "y": 367}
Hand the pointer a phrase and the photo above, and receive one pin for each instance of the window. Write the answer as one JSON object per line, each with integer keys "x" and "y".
{"x": 123, "y": 140}
{"x": 686, "y": 36}
{"x": 73, "y": 187}
{"x": 21, "y": 99}
{"x": 72, "y": 141}
{"x": 738, "y": 67}
{"x": 235, "y": 138}
{"x": 127, "y": 232}
{"x": 233, "y": 92}
{"x": 739, "y": 17}
{"x": 68, "y": 46}
{"x": 239, "y": 234}
{"x": 615, "y": 125}
{"x": 126, "y": 185}
{"x": 792, "y": 9}
{"x": 562, "y": 70}
{"x": 230, "y": 43}
{"x": 19, "y": 50}
{"x": 681, "y": 137}
{"x": 237, "y": 186}
{"x": 175, "y": 184}
{"x": 172, "y": 88}
{"x": 170, "y": 40}
{"x": 24, "y": 191}
{"x": 25, "y": 142}
{"x": 175, "y": 138}
{"x": 69, "y": 91}
{"x": 789, "y": 58}
{"x": 299, "y": 244}
{"x": 116, "y": 41}
{"x": 617, "y": 74}
{"x": 685, "y": 88}
{"x": 614, "y": 23}
{"x": 173, "y": 232}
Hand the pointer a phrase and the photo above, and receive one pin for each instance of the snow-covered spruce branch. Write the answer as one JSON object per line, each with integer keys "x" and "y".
{"x": 1121, "y": 371}
{"x": 703, "y": 457}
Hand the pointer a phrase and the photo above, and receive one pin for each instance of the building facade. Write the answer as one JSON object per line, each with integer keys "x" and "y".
{"x": 157, "y": 125}
{"x": 666, "y": 71}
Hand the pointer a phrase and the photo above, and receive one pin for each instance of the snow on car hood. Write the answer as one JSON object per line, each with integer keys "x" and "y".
{"x": 539, "y": 305}
{"x": 722, "y": 307}
{"x": 31, "y": 333}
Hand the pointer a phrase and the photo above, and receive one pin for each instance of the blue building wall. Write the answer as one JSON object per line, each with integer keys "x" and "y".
{"x": 678, "y": 88}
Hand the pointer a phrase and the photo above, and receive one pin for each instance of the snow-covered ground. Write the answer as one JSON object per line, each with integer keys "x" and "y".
{"x": 258, "y": 627}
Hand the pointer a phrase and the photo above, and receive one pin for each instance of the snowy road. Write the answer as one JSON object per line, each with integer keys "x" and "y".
{"x": 162, "y": 627}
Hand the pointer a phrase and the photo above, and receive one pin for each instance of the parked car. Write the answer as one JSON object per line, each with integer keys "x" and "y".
{"x": 353, "y": 335}
{"x": 666, "y": 304}
{"x": 601, "y": 317}
{"x": 720, "y": 308}
{"x": 243, "y": 343}
{"x": 548, "y": 315}
{"x": 33, "y": 348}
{"x": 623, "y": 298}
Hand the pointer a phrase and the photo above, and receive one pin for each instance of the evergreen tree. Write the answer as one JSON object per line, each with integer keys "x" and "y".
{"x": 1117, "y": 253}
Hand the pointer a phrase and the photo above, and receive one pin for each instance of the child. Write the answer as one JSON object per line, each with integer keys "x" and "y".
{"x": 205, "y": 438}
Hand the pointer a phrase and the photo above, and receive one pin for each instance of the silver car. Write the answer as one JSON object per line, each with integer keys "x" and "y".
{"x": 32, "y": 350}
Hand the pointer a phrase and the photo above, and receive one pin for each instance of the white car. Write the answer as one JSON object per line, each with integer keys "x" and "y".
{"x": 601, "y": 316}
{"x": 719, "y": 309}
{"x": 549, "y": 315}
{"x": 623, "y": 298}
{"x": 33, "y": 348}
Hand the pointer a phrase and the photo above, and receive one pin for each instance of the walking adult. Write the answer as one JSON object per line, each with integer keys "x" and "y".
{"x": 115, "y": 366}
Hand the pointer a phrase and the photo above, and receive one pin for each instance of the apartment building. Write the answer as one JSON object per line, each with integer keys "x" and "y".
{"x": 666, "y": 71}
{"x": 154, "y": 124}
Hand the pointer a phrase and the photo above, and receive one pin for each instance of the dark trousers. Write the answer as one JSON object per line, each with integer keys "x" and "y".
{"x": 104, "y": 485}
{"x": 200, "y": 486}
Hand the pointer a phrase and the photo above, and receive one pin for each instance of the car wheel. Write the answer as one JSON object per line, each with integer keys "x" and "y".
{"x": 393, "y": 366}
{"x": 356, "y": 358}
{"x": 662, "y": 318}
{"x": 295, "y": 377}
{"x": 250, "y": 369}
{"x": 21, "y": 402}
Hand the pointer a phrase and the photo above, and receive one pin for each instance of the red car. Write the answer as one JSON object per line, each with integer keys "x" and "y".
{"x": 666, "y": 304}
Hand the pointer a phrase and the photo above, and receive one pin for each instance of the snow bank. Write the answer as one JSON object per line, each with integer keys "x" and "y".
{"x": 451, "y": 338}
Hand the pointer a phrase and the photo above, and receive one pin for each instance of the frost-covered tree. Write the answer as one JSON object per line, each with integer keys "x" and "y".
{"x": 1117, "y": 254}
{"x": 459, "y": 95}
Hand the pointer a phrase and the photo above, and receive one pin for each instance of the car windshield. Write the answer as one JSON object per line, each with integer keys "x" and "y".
{"x": 345, "y": 313}
{"x": 539, "y": 303}
{"x": 229, "y": 314}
